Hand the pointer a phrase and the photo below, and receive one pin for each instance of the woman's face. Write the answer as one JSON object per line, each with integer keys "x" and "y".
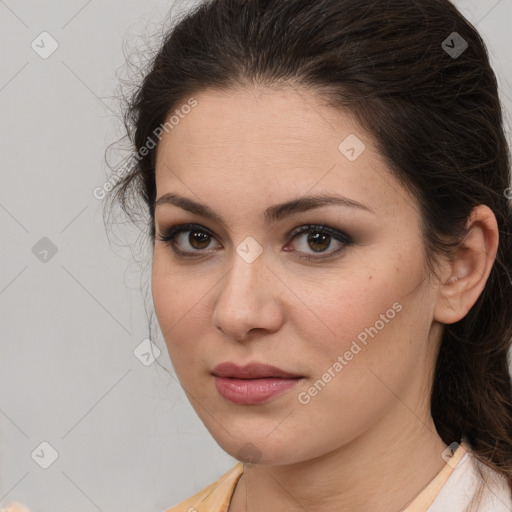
{"x": 354, "y": 322}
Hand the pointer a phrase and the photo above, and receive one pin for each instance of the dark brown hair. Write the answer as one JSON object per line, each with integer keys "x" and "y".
{"x": 435, "y": 117}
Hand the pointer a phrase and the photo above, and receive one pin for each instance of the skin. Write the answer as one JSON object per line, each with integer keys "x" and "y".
{"x": 350, "y": 447}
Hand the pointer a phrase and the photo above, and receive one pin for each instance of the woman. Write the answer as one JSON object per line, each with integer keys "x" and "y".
{"x": 326, "y": 183}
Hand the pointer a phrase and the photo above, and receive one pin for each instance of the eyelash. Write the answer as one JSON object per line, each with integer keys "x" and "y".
{"x": 169, "y": 234}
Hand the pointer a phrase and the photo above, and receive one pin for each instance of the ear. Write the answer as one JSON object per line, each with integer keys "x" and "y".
{"x": 466, "y": 274}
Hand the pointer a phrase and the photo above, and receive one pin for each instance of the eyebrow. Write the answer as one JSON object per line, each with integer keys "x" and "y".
{"x": 272, "y": 214}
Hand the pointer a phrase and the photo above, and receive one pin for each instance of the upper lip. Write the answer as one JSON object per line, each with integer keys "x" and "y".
{"x": 251, "y": 371}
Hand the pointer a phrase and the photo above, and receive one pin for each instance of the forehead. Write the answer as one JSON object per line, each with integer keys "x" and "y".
{"x": 256, "y": 120}
{"x": 272, "y": 143}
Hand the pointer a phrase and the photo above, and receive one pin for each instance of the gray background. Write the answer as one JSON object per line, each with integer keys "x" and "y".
{"x": 126, "y": 437}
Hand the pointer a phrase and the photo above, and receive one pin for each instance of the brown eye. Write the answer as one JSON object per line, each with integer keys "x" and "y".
{"x": 198, "y": 239}
{"x": 192, "y": 241}
{"x": 319, "y": 239}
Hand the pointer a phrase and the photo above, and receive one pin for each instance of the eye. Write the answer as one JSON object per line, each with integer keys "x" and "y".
{"x": 319, "y": 239}
{"x": 198, "y": 239}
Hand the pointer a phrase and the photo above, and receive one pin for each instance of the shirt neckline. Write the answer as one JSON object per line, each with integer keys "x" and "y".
{"x": 421, "y": 503}
{"x": 424, "y": 500}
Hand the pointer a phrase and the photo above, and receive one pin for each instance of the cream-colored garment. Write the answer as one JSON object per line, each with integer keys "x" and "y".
{"x": 14, "y": 507}
{"x": 456, "y": 494}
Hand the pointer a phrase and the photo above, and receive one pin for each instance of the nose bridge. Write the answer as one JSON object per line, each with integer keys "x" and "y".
{"x": 245, "y": 276}
{"x": 245, "y": 300}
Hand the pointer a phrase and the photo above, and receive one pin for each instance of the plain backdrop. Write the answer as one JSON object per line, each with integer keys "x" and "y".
{"x": 116, "y": 433}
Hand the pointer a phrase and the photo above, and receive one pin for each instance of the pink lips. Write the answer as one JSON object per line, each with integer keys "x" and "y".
{"x": 252, "y": 384}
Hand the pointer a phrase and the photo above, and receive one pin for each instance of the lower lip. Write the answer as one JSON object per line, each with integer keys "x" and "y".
{"x": 252, "y": 391}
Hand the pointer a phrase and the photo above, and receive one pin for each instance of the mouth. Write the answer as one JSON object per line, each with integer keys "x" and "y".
{"x": 252, "y": 371}
{"x": 252, "y": 384}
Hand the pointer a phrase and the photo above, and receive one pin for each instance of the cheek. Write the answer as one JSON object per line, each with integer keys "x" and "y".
{"x": 346, "y": 307}
{"x": 177, "y": 301}
{"x": 377, "y": 331}
{"x": 375, "y": 317}
{"x": 163, "y": 288}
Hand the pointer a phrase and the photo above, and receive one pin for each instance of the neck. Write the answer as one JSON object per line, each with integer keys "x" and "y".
{"x": 384, "y": 469}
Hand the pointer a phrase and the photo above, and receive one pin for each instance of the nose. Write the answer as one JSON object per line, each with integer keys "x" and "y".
{"x": 248, "y": 300}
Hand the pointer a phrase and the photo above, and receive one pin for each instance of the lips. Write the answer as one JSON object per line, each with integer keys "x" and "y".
{"x": 252, "y": 384}
{"x": 251, "y": 371}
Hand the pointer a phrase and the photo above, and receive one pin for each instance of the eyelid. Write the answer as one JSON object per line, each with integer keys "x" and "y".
{"x": 321, "y": 228}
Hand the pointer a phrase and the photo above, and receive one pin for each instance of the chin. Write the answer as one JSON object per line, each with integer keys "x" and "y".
{"x": 261, "y": 452}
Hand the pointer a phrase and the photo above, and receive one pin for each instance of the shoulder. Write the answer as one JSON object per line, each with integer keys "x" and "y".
{"x": 14, "y": 507}
{"x": 215, "y": 497}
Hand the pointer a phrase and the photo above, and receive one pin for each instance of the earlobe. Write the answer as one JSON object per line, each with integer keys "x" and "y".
{"x": 469, "y": 267}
